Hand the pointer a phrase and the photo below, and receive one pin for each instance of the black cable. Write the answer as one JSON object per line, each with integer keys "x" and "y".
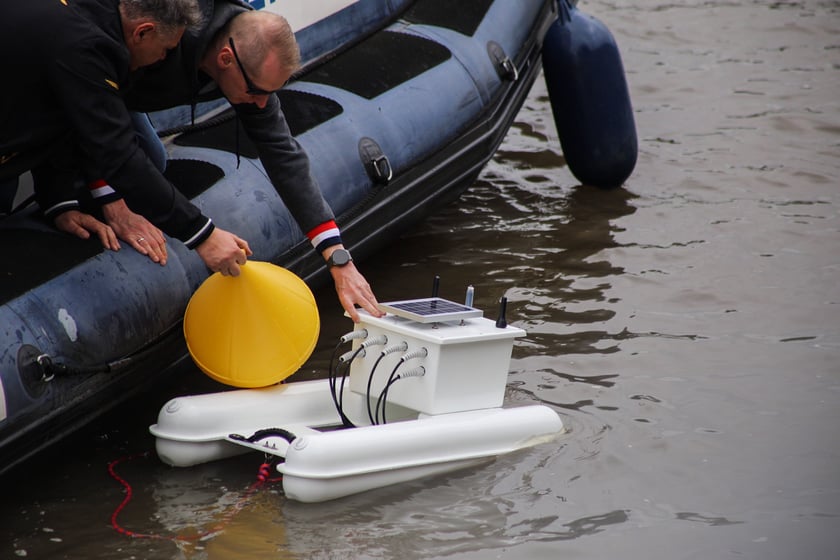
{"x": 370, "y": 381}
{"x": 264, "y": 433}
{"x": 383, "y": 395}
{"x": 337, "y": 393}
{"x": 331, "y": 379}
{"x": 340, "y": 400}
{"x": 340, "y": 391}
{"x": 50, "y": 369}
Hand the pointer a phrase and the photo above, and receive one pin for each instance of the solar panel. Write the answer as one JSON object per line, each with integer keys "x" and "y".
{"x": 430, "y": 310}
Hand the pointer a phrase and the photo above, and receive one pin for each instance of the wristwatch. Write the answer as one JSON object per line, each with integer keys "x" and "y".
{"x": 339, "y": 258}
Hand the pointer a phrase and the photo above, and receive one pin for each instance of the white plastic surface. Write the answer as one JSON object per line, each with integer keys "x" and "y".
{"x": 193, "y": 429}
{"x": 328, "y": 465}
{"x": 466, "y": 366}
{"x": 213, "y": 416}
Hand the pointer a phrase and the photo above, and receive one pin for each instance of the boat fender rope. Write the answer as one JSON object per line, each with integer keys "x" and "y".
{"x": 128, "y": 495}
{"x": 565, "y": 15}
{"x": 264, "y": 472}
{"x": 227, "y": 517}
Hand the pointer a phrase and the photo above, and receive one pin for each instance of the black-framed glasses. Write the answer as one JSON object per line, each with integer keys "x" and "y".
{"x": 252, "y": 89}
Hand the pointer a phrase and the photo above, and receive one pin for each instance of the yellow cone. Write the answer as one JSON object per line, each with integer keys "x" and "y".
{"x": 252, "y": 330}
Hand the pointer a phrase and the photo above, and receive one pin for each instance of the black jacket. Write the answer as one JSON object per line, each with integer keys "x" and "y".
{"x": 177, "y": 81}
{"x": 67, "y": 69}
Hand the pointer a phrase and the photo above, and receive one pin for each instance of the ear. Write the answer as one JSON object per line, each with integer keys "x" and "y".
{"x": 142, "y": 30}
{"x": 224, "y": 58}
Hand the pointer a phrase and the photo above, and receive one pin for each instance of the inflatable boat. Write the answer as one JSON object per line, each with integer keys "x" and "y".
{"x": 399, "y": 105}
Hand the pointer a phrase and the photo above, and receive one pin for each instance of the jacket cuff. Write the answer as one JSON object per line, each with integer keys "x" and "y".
{"x": 325, "y": 235}
{"x": 102, "y": 192}
{"x": 59, "y": 208}
{"x": 201, "y": 235}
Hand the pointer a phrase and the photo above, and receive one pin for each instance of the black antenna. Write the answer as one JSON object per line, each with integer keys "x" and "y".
{"x": 435, "y": 290}
{"x": 501, "y": 322}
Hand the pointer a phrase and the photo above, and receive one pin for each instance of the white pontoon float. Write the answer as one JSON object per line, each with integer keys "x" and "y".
{"x": 424, "y": 397}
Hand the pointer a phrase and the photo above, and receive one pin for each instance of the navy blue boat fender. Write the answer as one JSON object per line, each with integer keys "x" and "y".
{"x": 589, "y": 98}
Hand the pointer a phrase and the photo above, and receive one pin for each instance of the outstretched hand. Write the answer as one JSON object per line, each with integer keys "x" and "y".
{"x": 224, "y": 252}
{"x": 354, "y": 290}
{"x": 136, "y": 230}
{"x": 83, "y": 225}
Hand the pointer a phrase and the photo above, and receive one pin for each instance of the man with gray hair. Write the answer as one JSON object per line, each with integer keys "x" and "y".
{"x": 64, "y": 117}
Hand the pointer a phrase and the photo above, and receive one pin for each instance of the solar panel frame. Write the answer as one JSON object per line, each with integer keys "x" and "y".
{"x": 430, "y": 310}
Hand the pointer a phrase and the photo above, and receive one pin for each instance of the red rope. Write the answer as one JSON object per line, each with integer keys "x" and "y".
{"x": 262, "y": 478}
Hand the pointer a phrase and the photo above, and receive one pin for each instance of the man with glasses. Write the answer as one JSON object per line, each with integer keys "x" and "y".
{"x": 64, "y": 118}
{"x": 245, "y": 56}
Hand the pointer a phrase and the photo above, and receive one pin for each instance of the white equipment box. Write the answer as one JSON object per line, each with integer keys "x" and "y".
{"x": 466, "y": 365}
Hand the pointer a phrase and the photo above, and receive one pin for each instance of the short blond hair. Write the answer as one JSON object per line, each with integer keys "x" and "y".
{"x": 260, "y": 33}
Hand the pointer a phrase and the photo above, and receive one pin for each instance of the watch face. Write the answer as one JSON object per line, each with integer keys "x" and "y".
{"x": 339, "y": 257}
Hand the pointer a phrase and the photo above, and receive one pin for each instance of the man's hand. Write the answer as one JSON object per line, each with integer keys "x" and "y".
{"x": 136, "y": 230}
{"x": 354, "y": 290}
{"x": 224, "y": 252}
{"x": 82, "y": 225}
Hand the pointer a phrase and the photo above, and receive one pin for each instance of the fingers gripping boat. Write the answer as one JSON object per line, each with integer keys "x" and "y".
{"x": 425, "y": 394}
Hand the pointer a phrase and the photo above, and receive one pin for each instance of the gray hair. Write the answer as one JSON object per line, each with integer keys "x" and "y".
{"x": 170, "y": 14}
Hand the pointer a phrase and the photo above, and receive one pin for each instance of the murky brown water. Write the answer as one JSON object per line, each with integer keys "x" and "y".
{"x": 687, "y": 328}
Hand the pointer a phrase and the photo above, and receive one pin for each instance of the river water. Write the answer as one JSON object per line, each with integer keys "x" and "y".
{"x": 685, "y": 327}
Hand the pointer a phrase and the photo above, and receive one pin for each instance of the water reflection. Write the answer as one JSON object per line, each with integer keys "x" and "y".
{"x": 709, "y": 520}
{"x": 216, "y": 510}
{"x": 481, "y": 509}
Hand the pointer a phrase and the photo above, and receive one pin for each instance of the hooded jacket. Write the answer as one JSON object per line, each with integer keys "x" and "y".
{"x": 69, "y": 67}
{"x": 178, "y": 80}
